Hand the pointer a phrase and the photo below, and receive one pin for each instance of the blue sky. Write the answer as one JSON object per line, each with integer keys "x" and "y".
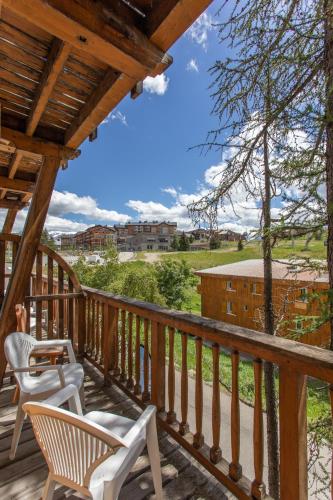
{"x": 141, "y": 166}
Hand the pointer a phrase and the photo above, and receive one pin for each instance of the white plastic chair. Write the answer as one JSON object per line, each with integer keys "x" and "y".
{"x": 18, "y": 349}
{"x": 92, "y": 454}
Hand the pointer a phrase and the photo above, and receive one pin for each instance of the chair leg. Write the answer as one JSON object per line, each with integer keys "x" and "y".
{"x": 49, "y": 488}
{"x": 154, "y": 458}
{"x": 17, "y": 430}
{"x": 16, "y": 394}
{"x": 82, "y": 396}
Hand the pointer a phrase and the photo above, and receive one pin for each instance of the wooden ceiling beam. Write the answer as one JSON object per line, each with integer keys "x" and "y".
{"x": 94, "y": 28}
{"x": 12, "y": 169}
{"x": 189, "y": 10}
{"x": 16, "y": 185}
{"x": 56, "y": 60}
{"x": 37, "y": 145}
{"x": 91, "y": 111}
{"x": 171, "y": 18}
{"x": 12, "y": 204}
{"x": 9, "y": 220}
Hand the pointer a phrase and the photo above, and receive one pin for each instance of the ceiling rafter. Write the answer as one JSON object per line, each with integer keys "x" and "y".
{"x": 93, "y": 28}
{"x": 56, "y": 60}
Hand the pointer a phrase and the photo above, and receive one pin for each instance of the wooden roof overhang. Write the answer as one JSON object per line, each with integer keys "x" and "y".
{"x": 65, "y": 64}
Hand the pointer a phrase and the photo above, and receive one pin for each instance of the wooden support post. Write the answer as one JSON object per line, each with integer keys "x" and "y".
{"x": 293, "y": 444}
{"x": 158, "y": 365}
{"x": 19, "y": 281}
{"x": 81, "y": 325}
{"x": 9, "y": 220}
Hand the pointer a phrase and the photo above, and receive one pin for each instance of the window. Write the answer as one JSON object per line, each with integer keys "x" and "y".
{"x": 229, "y": 285}
{"x": 229, "y": 307}
{"x": 254, "y": 289}
{"x": 298, "y": 324}
{"x": 303, "y": 295}
{"x": 245, "y": 308}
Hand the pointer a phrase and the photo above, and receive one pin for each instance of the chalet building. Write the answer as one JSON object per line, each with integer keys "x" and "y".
{"x": 95, "y": 238}
{"x": 199, "y": 234}
{"x": 228, "y": 235}
{"x": 140, "y": 236}
{"x": 67, "y": 241}
{"x": 234, "y": 293}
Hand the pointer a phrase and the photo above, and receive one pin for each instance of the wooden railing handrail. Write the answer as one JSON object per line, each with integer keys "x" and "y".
{"x": 54, "y": 296}
{"x": 50, "y": 253}
{"x": 308, "y": 360}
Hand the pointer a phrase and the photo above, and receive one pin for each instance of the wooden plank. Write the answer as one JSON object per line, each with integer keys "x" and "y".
{"x": 293, "y": 435}
{"x": 101, "y": 98}
{"x": 56, "y": 59}
{"x": 158, "y": 365}
{"x": 29, "y": 242}
{"x": 2, "y": 270}
{"x": 9, "y": 221}
{"x": 164, "y": 28}
{"x": 37, "y": 145}
{"x": 13, "y": 204}
{"x": 258, "y": 487}
{"x": 38, "y": 291}
{"x": 167, "y": 22}
{"x": 50, "y": 309}
{"x": 60, "y": 302}
{"x": 12, "y": 169}
{"x": 87, "y": 26}
{"x": 309, "y": 360}
{"x": 17, "y": 185}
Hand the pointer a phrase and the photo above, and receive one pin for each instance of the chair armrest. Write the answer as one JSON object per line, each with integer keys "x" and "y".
{"x": 58, "y": 368}
{"x": 139, "y": 426}
{"x": 68, "y": 393}
{"x": 58, "y": 343}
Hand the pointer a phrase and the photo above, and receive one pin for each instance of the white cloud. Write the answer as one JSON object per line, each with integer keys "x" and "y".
{"x": 199, "y": 30}
{"x": 192, "y": 65}
{"x": 64, "y": 203}
{"x": 116, "y": 115}
{"x": 171, "y": 191}
{"x": 158, "y": 85}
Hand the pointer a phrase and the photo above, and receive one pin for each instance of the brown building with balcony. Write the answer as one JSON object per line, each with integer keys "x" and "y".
{"x": 95, "y": 238}
{"x": 234, "y": 293}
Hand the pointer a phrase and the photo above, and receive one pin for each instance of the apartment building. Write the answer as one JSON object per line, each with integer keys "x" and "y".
{"x": 95, "y": 238}
{"x": 234, "y": 293}
{"x": 141, "y": 236}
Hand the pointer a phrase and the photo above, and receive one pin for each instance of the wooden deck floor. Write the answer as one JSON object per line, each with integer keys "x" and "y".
{"x": 23, "y": 478}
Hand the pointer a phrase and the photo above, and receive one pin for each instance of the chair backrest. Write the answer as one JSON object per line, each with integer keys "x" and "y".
{"x": 21, "y": 318}
{"x": 72, "y": 446}
{"x": 18, "y": 347}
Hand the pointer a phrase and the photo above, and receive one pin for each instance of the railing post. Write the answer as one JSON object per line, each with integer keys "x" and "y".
{"x": 293, "y": 434}
{"x": 81, "y": 325}
{"x": 158, "y": 365}
{"x": 107, "y": 344}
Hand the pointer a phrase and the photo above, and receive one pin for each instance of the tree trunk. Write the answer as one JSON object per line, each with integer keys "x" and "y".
{"x": 329, "y": 146}
{"x": 271, "y": 407}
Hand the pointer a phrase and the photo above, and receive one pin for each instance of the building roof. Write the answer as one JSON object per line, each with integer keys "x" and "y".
{"x": 254, "y": 268}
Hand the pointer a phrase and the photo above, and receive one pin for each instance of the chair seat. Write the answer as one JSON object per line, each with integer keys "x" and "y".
{"x": 115, "y": 423}
{"x": 49, "y": 380}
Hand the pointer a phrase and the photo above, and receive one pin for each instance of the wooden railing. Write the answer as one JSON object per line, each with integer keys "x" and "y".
{"x": 54, "y": 295}
{"x": 175, "y": 360}
{"x": 119, "y": 329}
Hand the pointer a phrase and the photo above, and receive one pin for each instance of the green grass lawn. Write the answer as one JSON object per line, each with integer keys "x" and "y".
{"x": 228, "y": 253}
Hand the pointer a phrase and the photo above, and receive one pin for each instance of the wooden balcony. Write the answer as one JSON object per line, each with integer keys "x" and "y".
{"x": 24, "y": 478}
{"x": 174, "y": 360}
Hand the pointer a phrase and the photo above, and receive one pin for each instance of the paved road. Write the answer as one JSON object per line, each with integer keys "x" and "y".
{"x": 125, "y": 256}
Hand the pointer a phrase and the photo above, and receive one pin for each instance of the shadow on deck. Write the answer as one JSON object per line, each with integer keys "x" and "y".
{"x": 23, "y": 478}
